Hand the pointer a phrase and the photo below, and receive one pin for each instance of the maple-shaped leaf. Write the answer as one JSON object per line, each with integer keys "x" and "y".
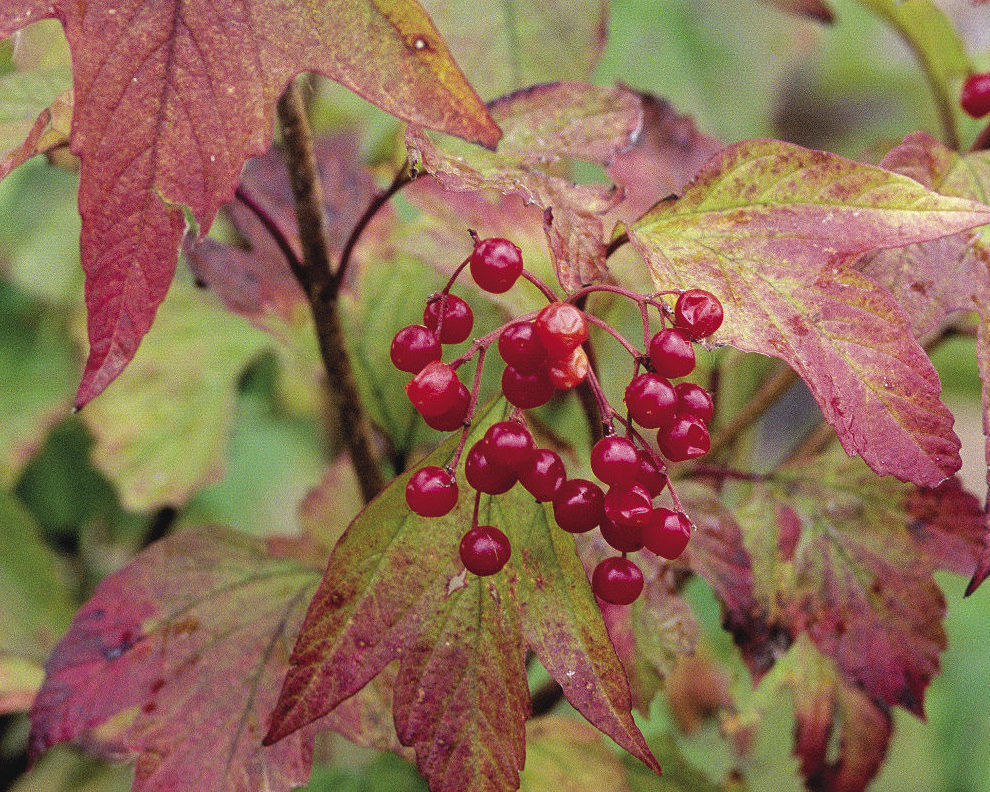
{"x": 933, "y": 279}
{"x": 176, "y": 661}
{"x": 543, "y": 126}
{"x": 395, "y": 590}
{"x": 766, "y": 227}
{"x": 172, "y": 97}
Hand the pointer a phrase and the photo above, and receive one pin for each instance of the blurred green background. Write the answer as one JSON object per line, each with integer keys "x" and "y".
{"x": 742, "y": 69}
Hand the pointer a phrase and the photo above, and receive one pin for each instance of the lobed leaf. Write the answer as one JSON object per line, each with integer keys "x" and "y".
{"x": 765, "y": 227}
{"x": 569, "y": 756}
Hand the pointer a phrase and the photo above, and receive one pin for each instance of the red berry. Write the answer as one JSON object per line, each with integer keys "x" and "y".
{"x": 651, "y": 400}
{"x": 614, "y": 460}
{"x": 698, "y": 313}
{"x": 975, "y": 98}
{"x": 431, "y": 492}
{"x": 484, "y": 475}
{"x": 627, "y": 505}
{"x": 666, "y": 533}
{"x": 561, "y": 327}
{"x": 569, "y": 372}
{"x": 652, "y": 477}
{"x": 520, "y": 348}
{"x": 617, "y": 580}
{"x": 434, "y": 390}
{"x": 578, "y": 505}
{"x": 671, "y": 353}
{"x": 496, "y": 264}
{"x": 413, "y": 347}
{"x": 624, "y": 538}
{"x": 526, "y": 390}
{"x": 543, "y": 474}
{"x": 686, "y": 438}
{"x": 509, "y": 445}
{"x": 455, "y": 417}
{"x": 458, "y": 318}
{"x": 485, "y": 550}
{"x": 694, "y": 400}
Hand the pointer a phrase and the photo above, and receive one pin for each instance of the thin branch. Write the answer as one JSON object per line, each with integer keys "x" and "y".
{"x": 273, "y": 227}
{"x": 762, "y": 400}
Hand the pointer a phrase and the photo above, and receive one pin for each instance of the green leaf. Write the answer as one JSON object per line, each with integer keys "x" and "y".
{"x": 766, "y": 227}
{"x": 566, "y": 755}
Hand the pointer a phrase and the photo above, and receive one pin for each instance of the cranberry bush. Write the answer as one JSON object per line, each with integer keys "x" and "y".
{"x": 550, "y": 376}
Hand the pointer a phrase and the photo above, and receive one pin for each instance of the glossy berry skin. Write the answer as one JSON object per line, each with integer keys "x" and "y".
{"x": 698, "y": 313}
{"x": 561, "y": 327}
{"x": 458, "y": 318}
{"x": 455, "y": 417}
{"x": 543, "y": 474}
{"x": 666, "y": 533}
{"x": 649, "y": 476}
{"x": 624, "y": 538}
{"x": 520, "y": 348}
{"x": 434, "y": 390}
{"x": 413, "y": 347}
{"x": 975, "y": 97}
{"x": 484, "y": 475}
{"x": 651, "y": 400}
{"x": 509, "y": 445}
{"x": 686, "y": 438}
{"x": 578, "y": 506}
{"x": 615, "y": 460}
{"x": 671, "y": 353}
{"x": 431, "y": 492}
{"x": 485, "y": 550}
{"x": 628, "y": 505}
{"x": 526, "y": 391}
{"x": 694, "y": 400}
{"x": 496, "y": 265}
{"x": 617, "y": 580}
{"x": 567, "y": 373}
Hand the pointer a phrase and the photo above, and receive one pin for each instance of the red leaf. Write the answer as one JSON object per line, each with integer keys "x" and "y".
{"x": 172, "y": 97}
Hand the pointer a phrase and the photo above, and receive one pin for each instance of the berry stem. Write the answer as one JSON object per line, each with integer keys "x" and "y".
{"x": 605, "y": 410}
{"x": 487, "y": 340}
{"x": 477, "y": 508}
{"x": 615, "y": 334}
{"x": 549, "y": 293}
{"x": 472, "y": 405}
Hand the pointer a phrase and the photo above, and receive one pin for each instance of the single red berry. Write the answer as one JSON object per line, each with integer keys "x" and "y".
{"x": 578, "y": 505}
{"x": 624, "y": 538}
{"x": 458, "y": 318}
{"x": 434, "y": 390}
{"x": 543, "y": 475}
{"x": 671, "y": 353}
{"x": 526, "y": 391}
{"x": 567, "y": 373}
{"x": 496, "y": 265}
{"x": 431, "y": 492}
{"x": 413, "y": 347}
{"x": 509, "y": 445}
{"x": 485, "y": 550}
{"x": 484, "y": 475}
{"x": 627, "y": 504}
{"x": 614, "y": 460}
{"x": 650, "y": 399}
{"x": 561, "y": 327}
{"x": 650, "y": 475}
{"x": 455, "y": 417}
{"x": 685, "y": 438}
{"x": 975, "y": 98}
{"x": 521, "y": 348}
{"x": 694, "y": 400}
{"x": 617, "y": 580}
{"x": 666, "y": 533}
{"x": 698, "y": 313}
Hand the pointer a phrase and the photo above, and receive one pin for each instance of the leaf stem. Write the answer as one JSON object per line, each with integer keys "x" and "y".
{"x": 272, "y": 226}
{"x": 321, "y": 287}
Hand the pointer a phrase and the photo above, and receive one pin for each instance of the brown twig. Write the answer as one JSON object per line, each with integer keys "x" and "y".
{"x": 320, "y": 284}
{"x": 762, "y": 400}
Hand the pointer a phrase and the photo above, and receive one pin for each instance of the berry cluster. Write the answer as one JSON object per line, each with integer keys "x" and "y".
{"x": 543, "y": 354}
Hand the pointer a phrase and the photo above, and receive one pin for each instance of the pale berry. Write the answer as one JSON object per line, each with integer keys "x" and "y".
{"x": 543, "y": 475}
{"x": 624, "y": 538}
{"x": 458, "y": 318}
{"x": 671, "y": 353}
{"x": 521, "y": 348}
{"x": 484, "y": 475}
{"x": 526, "y": 391}
{"x": 627, "y": 504}
{"x": 650, "y": 475}
{"x": 496, "y": 265}
{"x": 694, "y": 400}
{"x": 666, "y": 533}
{"x": 455, "y": 417}
{"x": 975, "y": 98}
{"x": 567, "y": 373}
{"x": 485, "y": 550}
{"x": 561, "y": 327}
{"x": 509, "y": 445}
{"x": 685, "y": 438}
{"x": 578, "y": 505}
{"x": 650, "y": 400}
{"x": 434, "y": 390}
{"x": 698, "y": 313}
{"x": 413, "y": 347}
{"x": 617, "y": 580}
{"x": 431, "y": 492}
{"x": 615, "y": 460}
